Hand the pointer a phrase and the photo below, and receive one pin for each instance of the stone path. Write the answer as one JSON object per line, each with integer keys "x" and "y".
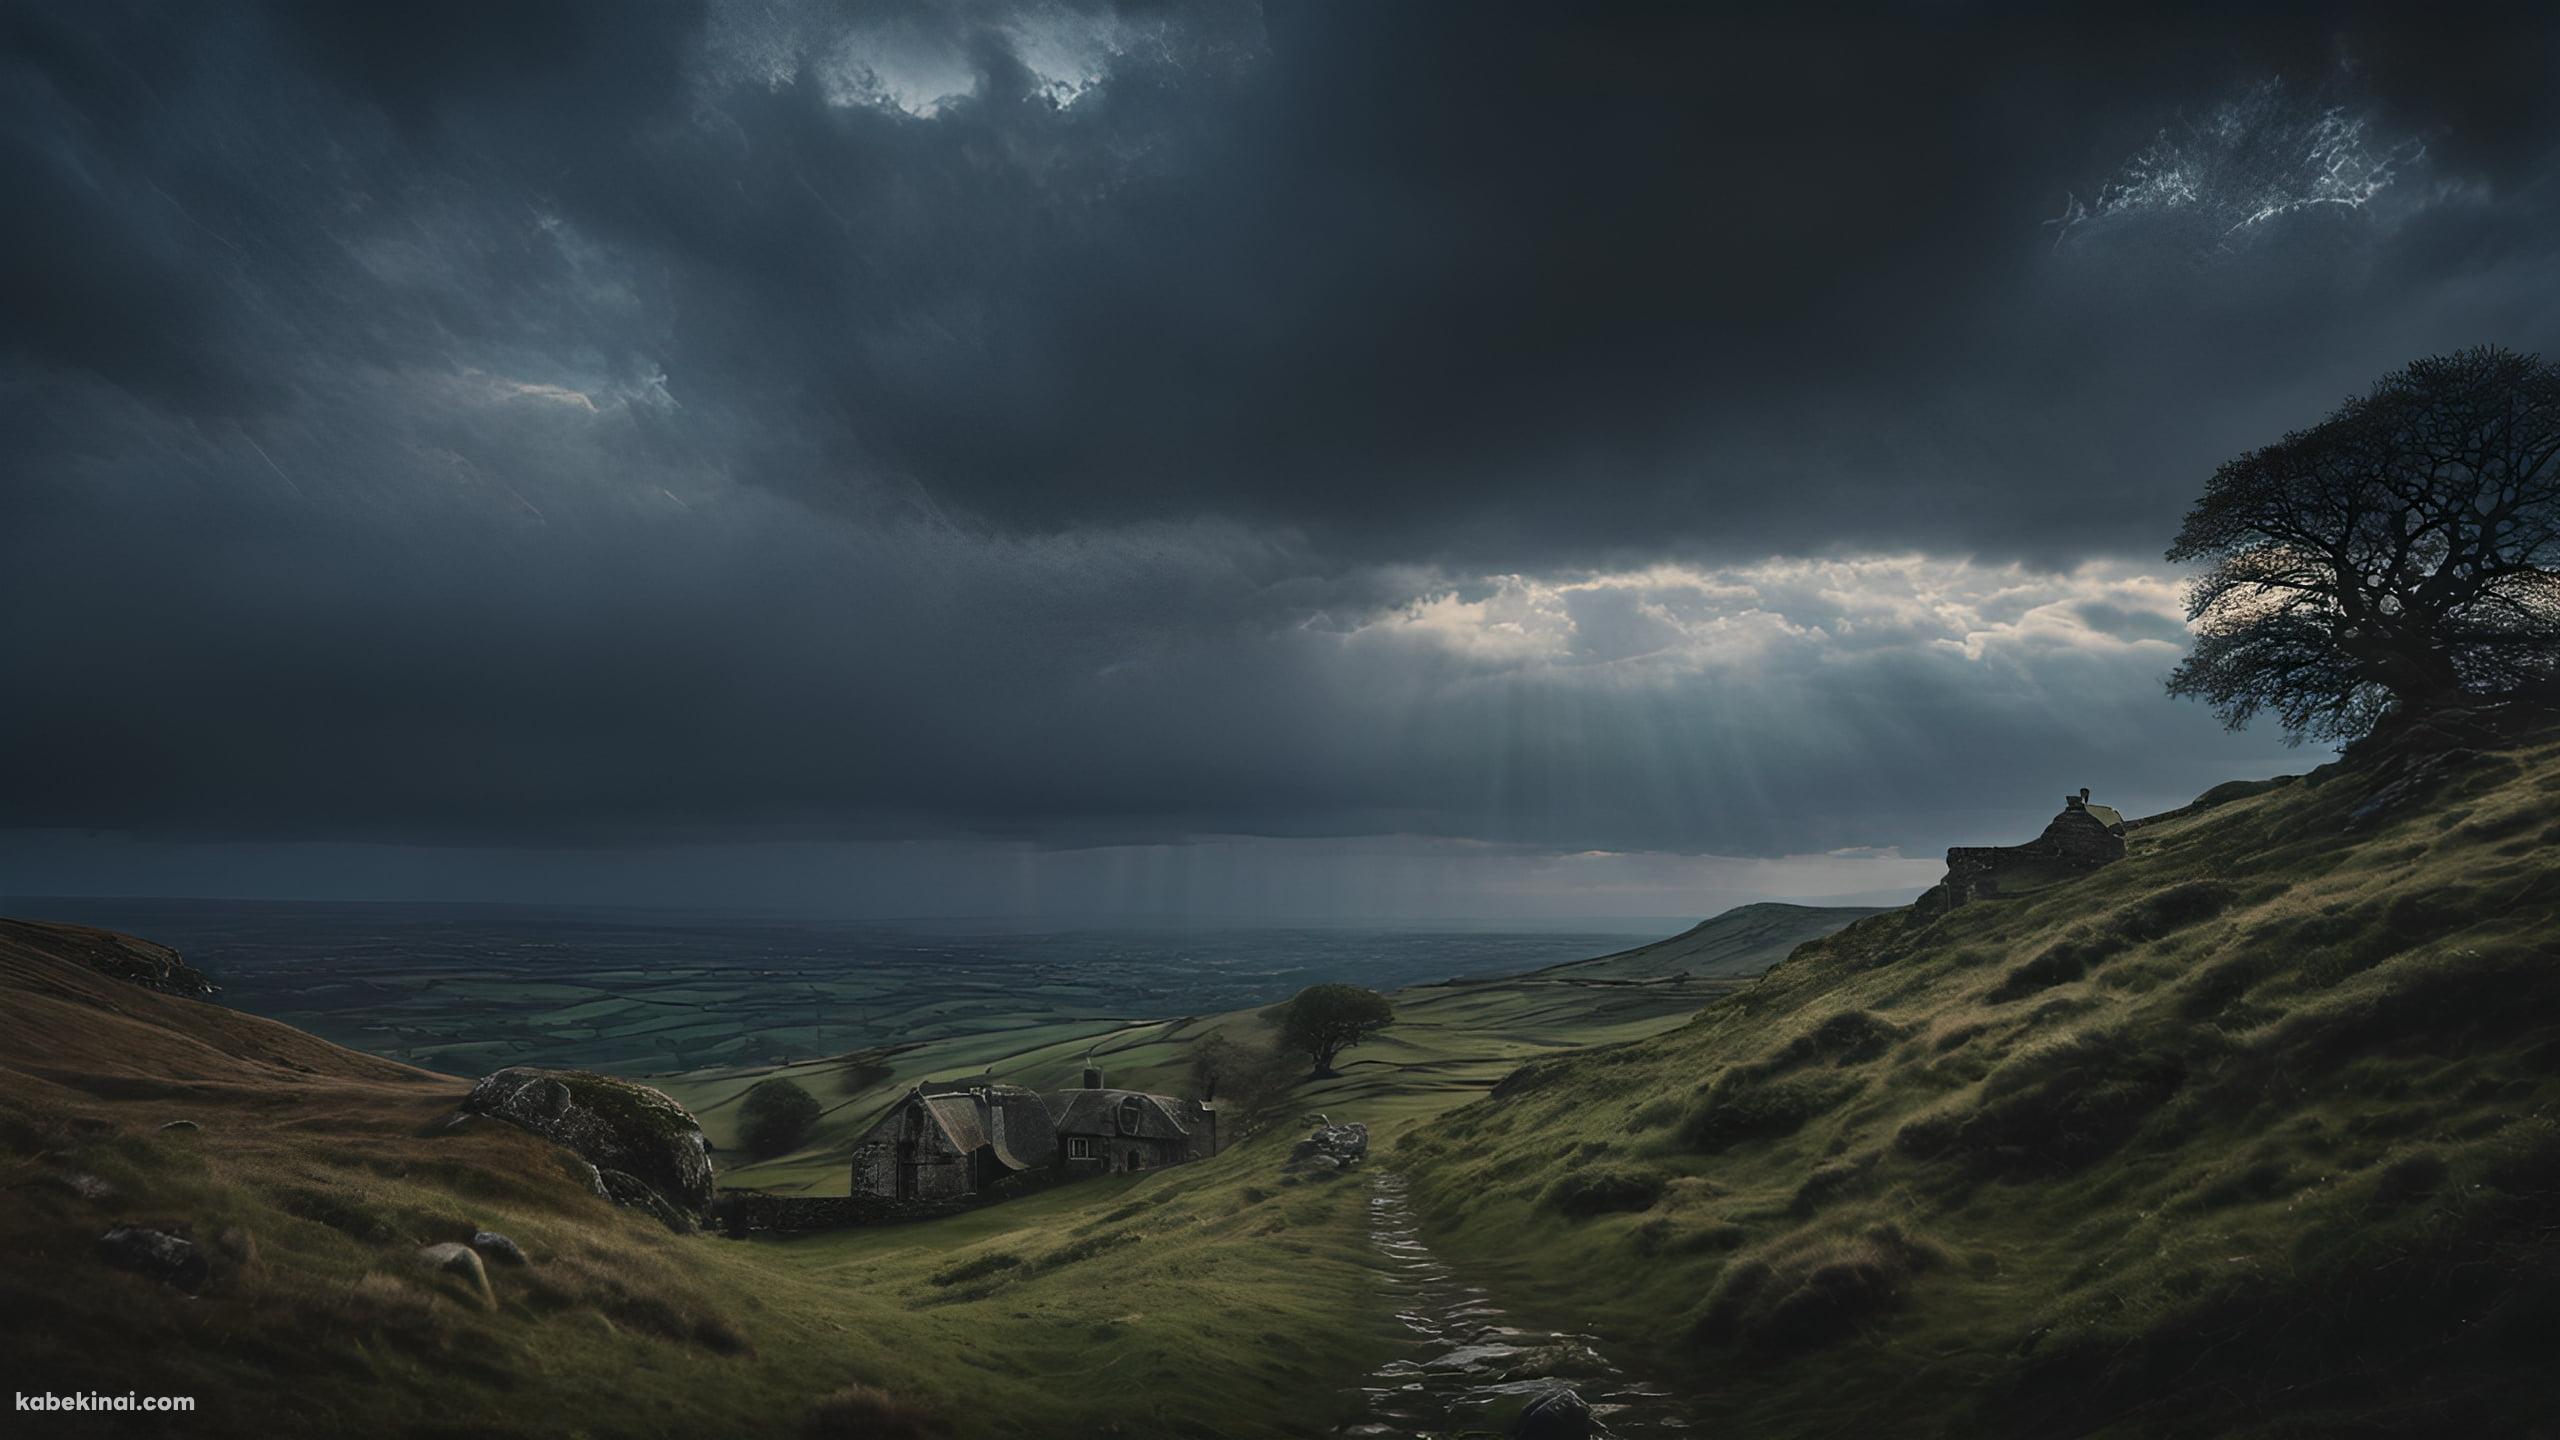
{"x": 1465, "y": 1358}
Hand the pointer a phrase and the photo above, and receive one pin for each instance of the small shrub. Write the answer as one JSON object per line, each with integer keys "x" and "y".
{"x": 1654, "y": 1114}
{"x": 2216, "y": 986}
{"x": 775, "y": 1117}
{"x": 1829, "y": 1182}
{"x": 1603, "y": 1189}
{"x": 2473, "y": 996}
{"x": 867, "y": 1412}
{"x": 2065, "y": 961}
{"x": 1741, "y": 1108}
{"x": 2175, "y": 908}
{"x": 2438, "y": 910}
{"x": 1815, "y": 1296}
{"x": 2053, "y": 1109}
{"x": 2151, "y": 918}
{"x": 1846, "y": 1038}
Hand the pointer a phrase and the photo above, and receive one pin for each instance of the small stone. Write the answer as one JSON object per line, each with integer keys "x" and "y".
{"x": 497, "y": 1247}
{"x": 90, "y": 1187}
{"x": 162, "y": 1256}
{"x": 462, "y": 1261}
{"x": 1558, "y": 1414}
{"x": 181, "y": 1125}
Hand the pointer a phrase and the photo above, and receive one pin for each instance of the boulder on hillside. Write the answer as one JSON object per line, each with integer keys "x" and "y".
{"x": 1331, "y": 1147}
{"x": 463, "y": 1263}
{"x": 162, "y": 1256}
{"x": 497, "y": 1247}
{"x": 623, "y": 1129}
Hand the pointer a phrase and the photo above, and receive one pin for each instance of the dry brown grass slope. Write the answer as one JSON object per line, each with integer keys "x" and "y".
{"x": 314, "y": 1175}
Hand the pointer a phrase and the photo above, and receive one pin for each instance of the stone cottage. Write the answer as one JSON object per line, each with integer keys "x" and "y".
{"x": 2082, "y": 838}
{"x": 956, "y": 1140}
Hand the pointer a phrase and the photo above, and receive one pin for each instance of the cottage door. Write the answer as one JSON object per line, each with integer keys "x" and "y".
{"x": 907, "y": 1170}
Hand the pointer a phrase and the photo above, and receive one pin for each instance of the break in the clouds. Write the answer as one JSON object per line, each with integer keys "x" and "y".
{"x": 1001, "y": 430}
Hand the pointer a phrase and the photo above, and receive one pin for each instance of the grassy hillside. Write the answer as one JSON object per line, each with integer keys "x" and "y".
{"x": 1451, "y": 1043}
{"x": 1742, "y": 941}
{"x": 2254, "y": 1133}
{"x": 1217, "y": 1299}
{"x": 1221, "y": 1298}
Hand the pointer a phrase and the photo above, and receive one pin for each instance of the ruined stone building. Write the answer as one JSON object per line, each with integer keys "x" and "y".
{"x": 961, "y": 1139}
{"x": 2080, "y": 839}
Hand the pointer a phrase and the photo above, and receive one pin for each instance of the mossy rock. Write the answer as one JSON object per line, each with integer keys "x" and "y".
{"x": 614, "y": 1125}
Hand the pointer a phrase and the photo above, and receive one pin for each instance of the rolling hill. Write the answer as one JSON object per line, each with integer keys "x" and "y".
{"x": 1453, "y": 1040}
{"x": 1742, "y": 941}
{"x": 2254, "y": 1132}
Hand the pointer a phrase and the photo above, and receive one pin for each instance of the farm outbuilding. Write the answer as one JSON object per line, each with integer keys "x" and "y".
{"x": 958, "y": 1139}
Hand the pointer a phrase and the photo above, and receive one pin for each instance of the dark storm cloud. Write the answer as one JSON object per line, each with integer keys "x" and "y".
{"x": 584, "y": 421}
{"x": 1407, "y": 276}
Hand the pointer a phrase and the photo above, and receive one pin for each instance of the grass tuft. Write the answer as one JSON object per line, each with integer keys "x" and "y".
{"x": 1602, "y": 1190}
{"x": 867, "y": 1412}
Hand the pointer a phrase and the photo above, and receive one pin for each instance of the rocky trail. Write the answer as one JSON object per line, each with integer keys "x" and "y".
{"x": 1465, "y": 1357}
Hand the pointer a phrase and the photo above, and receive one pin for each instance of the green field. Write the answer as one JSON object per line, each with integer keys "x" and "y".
{"x": 1223, "y": 1298}
{"x": 1451, "y": 1042}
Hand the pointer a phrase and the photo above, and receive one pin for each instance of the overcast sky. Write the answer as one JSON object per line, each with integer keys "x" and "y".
{"x": 1349, "y": 460}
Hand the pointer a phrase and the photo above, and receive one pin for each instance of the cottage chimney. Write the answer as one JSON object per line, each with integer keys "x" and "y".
{"x": 1093, "y": 1077}
{"x": 2084, "y": 794}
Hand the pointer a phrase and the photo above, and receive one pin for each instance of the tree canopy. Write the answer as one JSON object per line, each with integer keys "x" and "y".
{"x": 1249, "y": 1081}
{"x": 775, "y": 1117}
{"x": 1325, "y": 1020}
{"x": 2397, "y": 556}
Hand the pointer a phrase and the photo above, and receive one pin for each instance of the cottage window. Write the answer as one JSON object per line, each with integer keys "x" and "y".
{"x": 1079, "y": 1147}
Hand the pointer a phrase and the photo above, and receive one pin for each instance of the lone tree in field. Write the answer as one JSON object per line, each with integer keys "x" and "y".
{"x": 1325, "y": 1020}
{"x": 1249, "y": 1081}
{"x": 2397, "y": 556}
{"x": 775, "y": 1117}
